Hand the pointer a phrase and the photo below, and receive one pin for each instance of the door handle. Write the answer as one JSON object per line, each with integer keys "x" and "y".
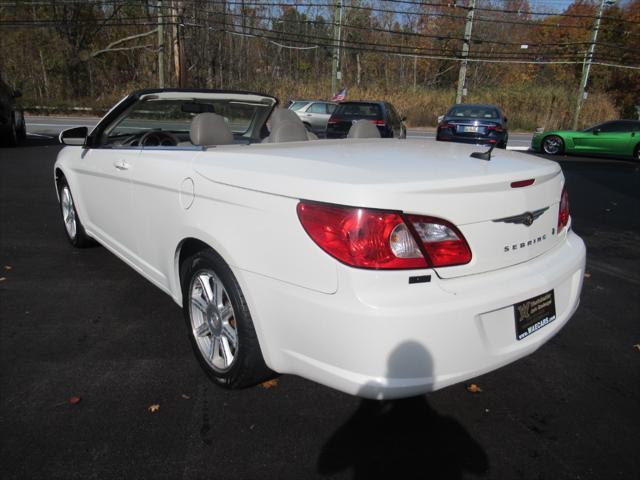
{"x": 121, "y": 165}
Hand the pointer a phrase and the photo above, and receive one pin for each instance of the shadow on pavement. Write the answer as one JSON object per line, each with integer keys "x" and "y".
{"x": 31, "y": 141}
{"x": 404, "y": 439}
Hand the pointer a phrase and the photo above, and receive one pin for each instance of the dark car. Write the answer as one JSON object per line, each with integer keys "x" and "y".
{"x": 474, "y": 123}
{"x": 12, "y": 127}
{"x": 383, "y": 114}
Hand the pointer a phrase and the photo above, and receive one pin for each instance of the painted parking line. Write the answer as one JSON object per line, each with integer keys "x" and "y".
{"x": 519, "y": 149}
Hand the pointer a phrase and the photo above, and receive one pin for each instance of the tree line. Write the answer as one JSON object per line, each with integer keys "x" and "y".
{"x": 64, "y": 52}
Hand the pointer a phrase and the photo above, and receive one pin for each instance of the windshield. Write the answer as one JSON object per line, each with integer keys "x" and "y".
{"x": 297, "y": 105}
{"x": 474, "y": 111}
{"x": 175, "y": 116}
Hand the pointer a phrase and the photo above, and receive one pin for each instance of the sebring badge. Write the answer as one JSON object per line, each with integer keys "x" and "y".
{"x": 526, "y": 218}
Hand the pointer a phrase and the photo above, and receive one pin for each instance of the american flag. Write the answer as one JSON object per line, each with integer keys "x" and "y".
{"x": 340, "y": 96}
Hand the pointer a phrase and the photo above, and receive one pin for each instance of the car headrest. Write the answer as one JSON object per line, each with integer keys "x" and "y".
{"x": 210, "y": 129}
{"x": 363, "y": 129}
{"x": 288, "y": 132}
{"x": 281, "y": 115}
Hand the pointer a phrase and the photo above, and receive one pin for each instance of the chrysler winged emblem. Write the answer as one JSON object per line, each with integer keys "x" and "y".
{"x": 526, "y": 218}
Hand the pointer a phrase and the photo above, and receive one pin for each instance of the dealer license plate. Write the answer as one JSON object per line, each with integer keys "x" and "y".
{"x": 533, "y": 314}
{"x": 470, "y": 129}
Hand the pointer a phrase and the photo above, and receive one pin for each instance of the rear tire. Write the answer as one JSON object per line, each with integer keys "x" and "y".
{"x": 72, "y": 225}
{"x": 552, "y": 145}
{"x": 220, "y": 327}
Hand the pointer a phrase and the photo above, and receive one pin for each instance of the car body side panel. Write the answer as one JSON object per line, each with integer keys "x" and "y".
{"x": 250, "y": 230}
{"x": 590, "y": 143}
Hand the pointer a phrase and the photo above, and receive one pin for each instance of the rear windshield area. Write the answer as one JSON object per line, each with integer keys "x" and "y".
{"x": 468, "y": 111}
{"x": 360, "y": 110}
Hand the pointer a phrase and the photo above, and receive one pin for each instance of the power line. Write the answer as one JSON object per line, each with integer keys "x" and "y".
{"x": 298, "y": 37}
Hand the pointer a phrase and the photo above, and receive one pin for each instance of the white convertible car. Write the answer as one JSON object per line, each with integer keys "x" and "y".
{"x": 383, "y": 268}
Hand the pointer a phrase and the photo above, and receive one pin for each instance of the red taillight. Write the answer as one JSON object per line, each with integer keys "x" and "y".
{"x": 361, "y": 238}
{"x": 443, "y": 243}
{"x": 563, "y": 213}
{"x": 333, "y": 120}
{"x": 447, "y": 125}
{"x": 495, "y": 128}
{"x": 380, "y": 239}
{"x": 379, "y": 122}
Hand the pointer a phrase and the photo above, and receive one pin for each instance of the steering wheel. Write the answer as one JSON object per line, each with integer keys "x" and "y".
{"x": 158, "y": 138}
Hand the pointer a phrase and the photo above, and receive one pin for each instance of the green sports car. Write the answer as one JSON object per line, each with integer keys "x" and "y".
{"x": 618, "y": 137}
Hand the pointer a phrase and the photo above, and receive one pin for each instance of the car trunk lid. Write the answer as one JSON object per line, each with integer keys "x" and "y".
{"x": 433, "y": 179}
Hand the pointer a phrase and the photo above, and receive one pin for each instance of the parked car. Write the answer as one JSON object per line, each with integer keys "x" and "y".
{"x": 12, "y": 126}
{"x": 474, "y": 123}
{"x": 383, "y": 114}
{"x": 314, "y": 113}
{"x": 616, "y": 138}
{"x": 382, "y": 269}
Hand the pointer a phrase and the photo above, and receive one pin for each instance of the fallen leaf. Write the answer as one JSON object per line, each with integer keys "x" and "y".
{"x": 270, "y": 383}
{"x": 185, "y": 396}
{"x": 473, "y": 388}
{"x": 154, "y": 408}
{"x": 587, "y": 275}
{"x": 2, "y": 279}
{"x": 74, "y": 400}
{"x": 637, "y": 346}
{"x": 8, "y": 268}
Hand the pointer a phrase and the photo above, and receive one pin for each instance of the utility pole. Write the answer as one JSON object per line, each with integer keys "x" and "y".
{"x": 336, "y": 74}
{"x": 586, "y": 65}
{"x": 462, "y": 76}
{"x": 160, "y": 45}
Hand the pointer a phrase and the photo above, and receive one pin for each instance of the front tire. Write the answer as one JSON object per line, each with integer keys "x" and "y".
{"x": 553, "y": 145}
{"x": 220, "y": 327}
{"x": 72, "y": 225}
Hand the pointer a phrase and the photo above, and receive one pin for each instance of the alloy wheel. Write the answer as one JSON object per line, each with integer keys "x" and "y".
{"x": 213, "y": 321}
{"x": 552, "y": 145}
{"x": 68, "y": 213}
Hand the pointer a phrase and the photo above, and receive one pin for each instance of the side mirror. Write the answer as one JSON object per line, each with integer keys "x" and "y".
{"x": 17, "y": 94}
{"x": 403, "y": 119}
{"x": 505, "y": 119}
{"x": 596, "y": 132}
{"x": 440, "y": 118}
{"x": 74, "y": 136}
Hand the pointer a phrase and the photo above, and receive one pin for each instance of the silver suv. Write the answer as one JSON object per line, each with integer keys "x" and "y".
{"x": 314, "y": 113}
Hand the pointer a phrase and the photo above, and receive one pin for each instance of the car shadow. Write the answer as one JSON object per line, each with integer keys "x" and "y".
{"x": 403, "y": 438}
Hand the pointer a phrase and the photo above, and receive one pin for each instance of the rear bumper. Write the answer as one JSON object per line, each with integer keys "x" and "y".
{"x": 379, "y": 337}
{"x": 476, "y": 140}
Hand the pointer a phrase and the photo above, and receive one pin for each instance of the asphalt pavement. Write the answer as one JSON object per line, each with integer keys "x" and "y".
{"x": 97, "y": 379}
